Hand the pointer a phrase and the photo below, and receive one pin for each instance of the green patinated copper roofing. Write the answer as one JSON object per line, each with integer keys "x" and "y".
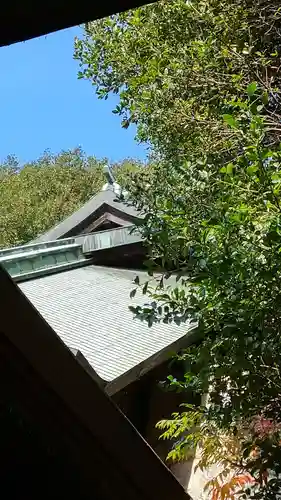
{"x": 39, "y": 259}
{"x": 31, "y": 261}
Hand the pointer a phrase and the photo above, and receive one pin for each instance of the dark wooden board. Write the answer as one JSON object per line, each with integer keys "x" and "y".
{"x": 43, "y": 384}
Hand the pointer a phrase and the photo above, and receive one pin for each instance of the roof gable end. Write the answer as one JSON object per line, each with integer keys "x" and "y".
{"x": 101, "y": 208}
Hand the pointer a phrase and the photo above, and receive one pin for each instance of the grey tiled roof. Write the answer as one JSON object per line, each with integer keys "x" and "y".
{"x": 88, "y": 309}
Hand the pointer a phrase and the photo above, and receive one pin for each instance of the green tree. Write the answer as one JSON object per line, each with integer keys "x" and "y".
{"x": 44, "y": 192}
{"x": 177, "y": 64}
{"x": 217, "y": 226}
{"x": 201, "y": 80}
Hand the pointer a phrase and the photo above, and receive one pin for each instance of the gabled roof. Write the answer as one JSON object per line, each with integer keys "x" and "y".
{"x": 88, "y": 305}
{"x": 88, "y": 308}
{"x": 81, "y": 221}
{"x": 44, "y": 381}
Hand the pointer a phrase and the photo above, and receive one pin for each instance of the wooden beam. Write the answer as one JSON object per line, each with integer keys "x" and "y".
{"x": 24, "y": 20}
{"x": 59, "y": 372}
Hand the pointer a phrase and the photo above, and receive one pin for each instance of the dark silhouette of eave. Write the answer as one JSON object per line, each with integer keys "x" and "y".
{"x": 21, "y": 21}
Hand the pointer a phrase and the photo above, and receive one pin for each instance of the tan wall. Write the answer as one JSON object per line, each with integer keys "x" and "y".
{"x": 145, "y": 403}
{"x": 147, "y": 397}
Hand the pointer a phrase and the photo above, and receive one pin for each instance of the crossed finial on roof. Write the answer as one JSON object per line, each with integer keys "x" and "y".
{"x": 109, "y": 175}
{"x": 111, "y": 184}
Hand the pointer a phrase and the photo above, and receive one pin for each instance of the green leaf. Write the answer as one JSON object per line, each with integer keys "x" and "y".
{"x": 265, "y": 98}
{"x": 251, "y": 89}
{"x": 125, "y": 123}
{"x": 252, "y": 169}
{"x": 229, "y": 168}
{"x": 230, "y": 120}
{"x": 276, "y": 177}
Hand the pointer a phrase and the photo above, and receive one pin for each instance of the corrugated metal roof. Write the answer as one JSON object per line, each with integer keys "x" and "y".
{"x": 88, "y": 309}
{"x": 110, "y": 238}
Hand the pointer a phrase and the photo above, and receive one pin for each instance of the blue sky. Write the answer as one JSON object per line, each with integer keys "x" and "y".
{"x": 44, "y": 105}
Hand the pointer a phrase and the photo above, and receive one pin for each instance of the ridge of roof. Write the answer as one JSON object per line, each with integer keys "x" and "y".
{"x": 107, "y": 198}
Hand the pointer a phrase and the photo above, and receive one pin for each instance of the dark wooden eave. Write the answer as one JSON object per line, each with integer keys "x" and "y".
{"x": 66, "y": 404}
{"x": 21, "y": 21}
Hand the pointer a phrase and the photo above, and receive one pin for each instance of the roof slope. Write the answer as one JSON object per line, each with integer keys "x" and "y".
{"x": 88, "y": 309}
{"x": 51, "y": 389}
{"x": 84, "y": 215}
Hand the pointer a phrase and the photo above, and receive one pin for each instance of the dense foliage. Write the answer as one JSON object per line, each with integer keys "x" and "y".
{"x": 37, "y": 195}
{"x": 220, "y": 230}
{"x": 201, "y": 79}
{"x": 177, "y": 64}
